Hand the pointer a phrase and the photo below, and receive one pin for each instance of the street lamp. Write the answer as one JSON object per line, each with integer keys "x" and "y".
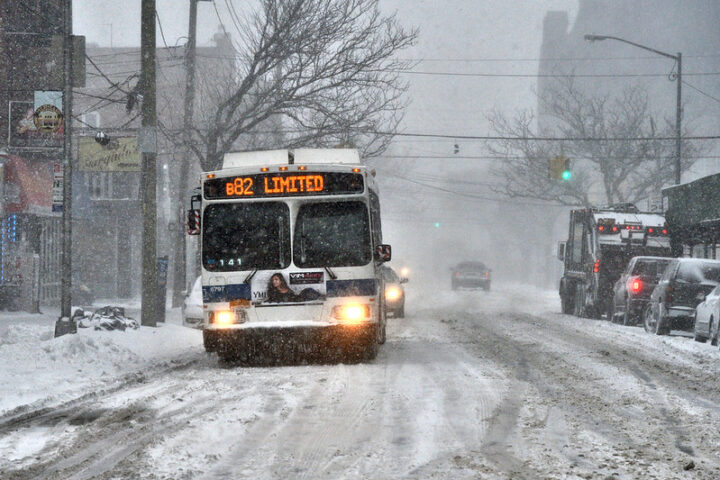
{"x": 678, "y": 111}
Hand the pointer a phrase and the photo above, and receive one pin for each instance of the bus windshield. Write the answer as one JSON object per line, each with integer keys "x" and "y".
{"x": 246, "y": 236}
{"x": 332, "y": 234}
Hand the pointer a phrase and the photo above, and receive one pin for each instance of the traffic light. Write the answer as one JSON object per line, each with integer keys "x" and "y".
{"x": 560, "y": 168}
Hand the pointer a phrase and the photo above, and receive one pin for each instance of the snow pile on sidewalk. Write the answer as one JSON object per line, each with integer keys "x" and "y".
{"x": 37, "y": 369}
{"x": 105, "y": 318}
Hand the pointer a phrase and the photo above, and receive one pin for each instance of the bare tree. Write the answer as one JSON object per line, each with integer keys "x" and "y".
{"x": 625, "y": 168}
{"x": 323, "y": 72}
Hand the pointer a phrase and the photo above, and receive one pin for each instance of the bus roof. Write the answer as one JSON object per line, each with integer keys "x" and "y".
{"x": 303, "y": 156}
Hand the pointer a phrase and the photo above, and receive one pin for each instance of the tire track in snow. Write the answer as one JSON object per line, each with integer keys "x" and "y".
{"x": 622, "y": 446}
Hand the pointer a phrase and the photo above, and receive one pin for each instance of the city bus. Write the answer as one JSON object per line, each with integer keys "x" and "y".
{"x": 291, "y": 245}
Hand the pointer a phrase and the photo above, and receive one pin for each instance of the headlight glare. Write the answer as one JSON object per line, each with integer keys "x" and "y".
{"x": 351, "y": 312}
{"x": 393, "y": 293}
{"x": 225, "y": 318}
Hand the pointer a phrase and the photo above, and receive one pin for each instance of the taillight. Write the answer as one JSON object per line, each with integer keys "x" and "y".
{"x": 608, "y": 229}
{"x": 669, "y": 294}
{"x": 596, "y": 267}
{"x": 657, "y": 231}
{"x": 635, "y": 285}
{"x": 487, "y": 274}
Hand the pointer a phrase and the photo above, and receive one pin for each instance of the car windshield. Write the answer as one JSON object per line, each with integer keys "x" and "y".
{"x": 650, "y": 268}
{"x": 246, "y": 236}
{"x": 471, "y": 266}
{"x": 389, "y": 275}
{"x": 332, "y": 235}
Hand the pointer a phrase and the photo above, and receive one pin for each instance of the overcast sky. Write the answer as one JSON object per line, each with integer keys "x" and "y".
{"x": 456, "y": 36}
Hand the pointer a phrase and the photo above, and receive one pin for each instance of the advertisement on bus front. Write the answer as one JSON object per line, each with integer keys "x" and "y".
{"x": 292, "y": 287}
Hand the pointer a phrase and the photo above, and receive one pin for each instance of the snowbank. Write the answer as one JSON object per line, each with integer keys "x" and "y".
{"x": 37, "y": 369}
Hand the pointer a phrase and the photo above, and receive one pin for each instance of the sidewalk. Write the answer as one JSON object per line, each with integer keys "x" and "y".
{"x": 37, "y": 369}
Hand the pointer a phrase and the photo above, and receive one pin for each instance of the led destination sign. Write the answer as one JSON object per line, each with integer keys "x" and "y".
{"x": 284, "y": 184}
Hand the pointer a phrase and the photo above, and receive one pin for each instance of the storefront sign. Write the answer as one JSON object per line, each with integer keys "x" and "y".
{"x": 119, "y": 155}
{"x": 31, "y": 128}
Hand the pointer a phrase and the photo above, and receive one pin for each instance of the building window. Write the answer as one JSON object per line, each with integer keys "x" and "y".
{"x": 113, "y": 185}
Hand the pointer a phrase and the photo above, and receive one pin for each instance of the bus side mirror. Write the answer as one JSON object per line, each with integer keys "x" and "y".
{"x": 383, "y": 253}
{"x": 193, "y": 222}
{"x": 561, "y": 251}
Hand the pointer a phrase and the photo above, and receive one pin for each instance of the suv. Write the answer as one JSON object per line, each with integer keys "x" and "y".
{"x": 632, "y": 290}
{"x": 471, "y": 275}
{"x": 683, "y": 286}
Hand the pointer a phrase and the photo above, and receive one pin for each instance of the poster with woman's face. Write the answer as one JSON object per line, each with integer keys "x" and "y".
{"x": 288, "y": 287}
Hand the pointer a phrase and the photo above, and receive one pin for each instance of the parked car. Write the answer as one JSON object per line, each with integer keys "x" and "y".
{"x": 683, "y": 286}
{"x": 192, "y": 307}
{"x": 394, "y": 292}
{"x": 631, "y": 292}
{"x": 470, "y": 275}
{"x": 707, "y": 317}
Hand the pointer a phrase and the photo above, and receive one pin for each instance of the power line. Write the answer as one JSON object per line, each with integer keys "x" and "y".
{"x": 473, "y": 196}
{"x": 514, "y": 157}
{"x": 550, "y": 75}
{"x": 544, "y": 139}
{"x": 162, "y": 33}
{"x": 549, "y": 59}
{"x": 700, "y": 91}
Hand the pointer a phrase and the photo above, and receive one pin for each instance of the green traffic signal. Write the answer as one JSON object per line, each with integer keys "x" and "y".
{"x": 437, "y": 224}
{"x": 566, "y": 175}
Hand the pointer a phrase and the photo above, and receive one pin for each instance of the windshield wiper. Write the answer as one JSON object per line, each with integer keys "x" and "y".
{"x": 250, "y": 275}
{"x": 331, "y": 273}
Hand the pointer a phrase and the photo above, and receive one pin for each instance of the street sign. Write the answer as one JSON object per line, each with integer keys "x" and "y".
{"x": 57, "y": 192}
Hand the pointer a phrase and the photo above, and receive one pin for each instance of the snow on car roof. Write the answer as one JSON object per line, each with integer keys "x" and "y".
{"x": 645, "y": 219}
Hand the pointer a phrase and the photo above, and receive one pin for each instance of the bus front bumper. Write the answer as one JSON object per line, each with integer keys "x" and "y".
{"x": 330, "y": 335}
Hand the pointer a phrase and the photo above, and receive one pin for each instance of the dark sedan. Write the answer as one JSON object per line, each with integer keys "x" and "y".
{"x": 631, "y": 292}
{"x": 394, "y": 292}
{"x": 470, "y": 275}
{"x": 683, "y": 286}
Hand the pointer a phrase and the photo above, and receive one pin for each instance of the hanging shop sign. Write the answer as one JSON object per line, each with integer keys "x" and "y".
{"x": 118, "y": 155}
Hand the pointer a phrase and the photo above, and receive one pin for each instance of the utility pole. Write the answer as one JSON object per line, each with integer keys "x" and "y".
{"x": 180, "y": 260}
{"x": 678, "y": 106}
{"x": 678, "y": 120}
{"x": 64, "y": 325}
{"x": 147, "y": 145}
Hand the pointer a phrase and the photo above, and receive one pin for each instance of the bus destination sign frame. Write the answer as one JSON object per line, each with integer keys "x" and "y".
{"x": 284, "y": 184}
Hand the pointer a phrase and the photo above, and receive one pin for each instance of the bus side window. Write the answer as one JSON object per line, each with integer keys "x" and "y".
{"x": 375, "y": 219}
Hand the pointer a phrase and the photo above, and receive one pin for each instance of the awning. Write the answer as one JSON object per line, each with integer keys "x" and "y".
{"x": 27, "y": 185}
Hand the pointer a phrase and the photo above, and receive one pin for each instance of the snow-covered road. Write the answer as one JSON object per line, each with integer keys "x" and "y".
{"x": 485, "y": 385}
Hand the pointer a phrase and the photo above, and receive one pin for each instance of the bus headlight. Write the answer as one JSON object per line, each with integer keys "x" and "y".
{"x": 224, "y": 318}
{"x": 393, "y": 293}
{"x": 351, "y": 312}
